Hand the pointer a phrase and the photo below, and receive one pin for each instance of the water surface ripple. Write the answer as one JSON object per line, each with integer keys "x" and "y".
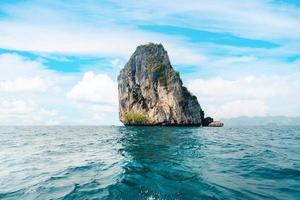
{"x": 149, "y": 163}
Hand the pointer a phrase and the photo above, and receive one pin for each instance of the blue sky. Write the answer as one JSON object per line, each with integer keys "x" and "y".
{"x": 59, "y": 60}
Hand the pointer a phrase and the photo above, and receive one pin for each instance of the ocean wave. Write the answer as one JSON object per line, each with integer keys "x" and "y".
{"x": 149, "y": 163}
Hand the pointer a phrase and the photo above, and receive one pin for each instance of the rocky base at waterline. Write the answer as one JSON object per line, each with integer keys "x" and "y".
{"x": 152, "y": 93}
{"x": 216, "y": 124}
{"x": 208, "y": 121}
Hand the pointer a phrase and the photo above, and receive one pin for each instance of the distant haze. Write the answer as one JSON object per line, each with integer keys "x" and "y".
{"x": 263, "y": 121}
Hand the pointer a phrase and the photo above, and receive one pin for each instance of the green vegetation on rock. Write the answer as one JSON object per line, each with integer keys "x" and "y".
{"x": 166, "y": 77}
{"x": 163, "y": 81}
{"x": 130, "y": 117}
{"x": 159, "y": 67}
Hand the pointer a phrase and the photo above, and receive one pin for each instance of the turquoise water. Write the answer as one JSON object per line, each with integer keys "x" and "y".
{"x": 149, "y": 163}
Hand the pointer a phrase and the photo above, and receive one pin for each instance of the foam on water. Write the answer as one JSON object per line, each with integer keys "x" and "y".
{"x": 149, "y": 163}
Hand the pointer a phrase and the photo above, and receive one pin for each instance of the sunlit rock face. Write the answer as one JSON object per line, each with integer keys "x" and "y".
{"x": 151, "y": 91}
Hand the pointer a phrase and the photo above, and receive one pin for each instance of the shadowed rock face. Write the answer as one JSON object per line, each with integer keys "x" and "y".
{"x": 151, "y": 92}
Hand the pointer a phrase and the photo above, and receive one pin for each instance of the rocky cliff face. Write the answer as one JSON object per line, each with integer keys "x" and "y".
{"x": 151, "y": 91}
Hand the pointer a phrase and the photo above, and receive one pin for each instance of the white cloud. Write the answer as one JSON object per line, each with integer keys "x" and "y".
{"x": 251, "y": 18}
{"x": 50, "y": 113}
{"x": 100, "y": 113}
{"x": 20, "y": 74}
{"x": 25, "y": 112}
{"x": 68, "y": 35}
{"x": 95, "y": 88}
{"x": 23, "y": 84}
{"x": 79, "y": 40}
{"x": 95, "y": 30}
{"x": 182, "y": 53}
{"x": 91, "y": 99}
{"x": 13, "y": 65}
{"x": 16, "y": 107}
{"x": 234, "y": 60}
{"x": 96, "y": 95}
{"x": 59, "y": 30}
{"x": 247, "y": 88}
{"x": 248, "y": 96}
{"x": 248, "y": 108}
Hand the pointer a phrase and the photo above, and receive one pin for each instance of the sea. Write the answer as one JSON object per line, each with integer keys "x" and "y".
{"x": 118, "y": 162}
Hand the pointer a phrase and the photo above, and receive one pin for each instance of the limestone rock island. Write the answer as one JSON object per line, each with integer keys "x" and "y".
{"x": 151, "y": 91}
